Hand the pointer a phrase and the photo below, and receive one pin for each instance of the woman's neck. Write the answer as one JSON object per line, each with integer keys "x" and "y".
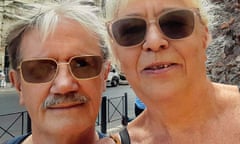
{"x": 185, "y": 109}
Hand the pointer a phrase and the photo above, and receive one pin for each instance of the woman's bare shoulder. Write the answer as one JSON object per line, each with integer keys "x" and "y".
{"x": 227, "y": 97}
{"x": 228, "y": 91}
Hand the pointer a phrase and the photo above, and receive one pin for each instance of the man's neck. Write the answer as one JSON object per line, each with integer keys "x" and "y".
{"x": 89, "y": 137}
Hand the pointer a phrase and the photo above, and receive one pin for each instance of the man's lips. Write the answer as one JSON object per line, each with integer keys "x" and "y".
{"x": 64, "y": 100}
{"x": 65, "y": 105}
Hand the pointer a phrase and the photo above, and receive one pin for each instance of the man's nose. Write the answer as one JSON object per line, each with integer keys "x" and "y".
{"x": 64, "y": 82}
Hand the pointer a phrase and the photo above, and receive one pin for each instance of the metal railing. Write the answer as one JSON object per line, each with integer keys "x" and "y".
{"x": 112, "y": 109}
{"x": 19, "y": 119}
{"x": 119, "y": 107}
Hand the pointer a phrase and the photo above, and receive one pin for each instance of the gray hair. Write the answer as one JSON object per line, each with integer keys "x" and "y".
{"x": 45, "y": 17}
{"x": 112, "y": 8}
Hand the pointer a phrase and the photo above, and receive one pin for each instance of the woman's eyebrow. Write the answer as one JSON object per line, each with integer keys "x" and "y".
{"x": 139, "y": 14}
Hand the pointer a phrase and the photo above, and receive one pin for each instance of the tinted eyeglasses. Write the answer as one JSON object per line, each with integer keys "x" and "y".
{"x": 174, "y": 24}
{"x": 45, "y": 69}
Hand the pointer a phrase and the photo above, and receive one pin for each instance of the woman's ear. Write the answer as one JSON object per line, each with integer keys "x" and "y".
{"x": 107, "y": 70}
{"x": 206, "y": 40}
{"x": 207, "y": 37}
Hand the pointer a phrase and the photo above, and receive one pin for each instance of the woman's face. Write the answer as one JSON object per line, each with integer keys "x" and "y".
{"x": 161, "y": 66}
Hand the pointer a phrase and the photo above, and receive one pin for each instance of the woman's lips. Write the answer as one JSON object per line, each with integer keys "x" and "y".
{"x": 159, "y": 66}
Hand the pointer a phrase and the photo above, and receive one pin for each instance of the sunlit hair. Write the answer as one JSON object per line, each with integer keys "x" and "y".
{"x": 46, "y": 16}
{"x": 112, "y": 8}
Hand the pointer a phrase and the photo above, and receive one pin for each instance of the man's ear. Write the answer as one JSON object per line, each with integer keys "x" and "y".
{"x": 14, "y": 79}
{"x": 16, "y": 82}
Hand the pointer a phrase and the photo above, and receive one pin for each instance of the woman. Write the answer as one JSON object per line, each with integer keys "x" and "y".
{"x": 161, "y": 48}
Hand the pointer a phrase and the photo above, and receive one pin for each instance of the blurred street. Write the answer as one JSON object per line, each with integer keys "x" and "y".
{"x": 9, "y": 104}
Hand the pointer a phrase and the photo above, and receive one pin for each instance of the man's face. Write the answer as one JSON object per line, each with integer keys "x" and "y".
{"x": 69, "y": 39}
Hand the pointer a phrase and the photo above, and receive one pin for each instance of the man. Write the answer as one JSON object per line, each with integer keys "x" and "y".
{"x": 59, "y": 67}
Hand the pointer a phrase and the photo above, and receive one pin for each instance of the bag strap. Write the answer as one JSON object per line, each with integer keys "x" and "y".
{"x": 125, "y": 139}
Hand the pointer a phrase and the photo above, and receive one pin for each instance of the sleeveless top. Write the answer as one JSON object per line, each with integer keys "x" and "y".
{"x": 17, "y": 140}
{"x": 125, "y": 139}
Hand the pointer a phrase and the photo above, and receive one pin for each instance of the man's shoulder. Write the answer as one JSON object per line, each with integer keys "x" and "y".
{"x": 17, "y": 140}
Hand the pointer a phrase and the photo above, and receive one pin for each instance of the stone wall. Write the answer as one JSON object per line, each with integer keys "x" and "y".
{"x": 223, "y": 63}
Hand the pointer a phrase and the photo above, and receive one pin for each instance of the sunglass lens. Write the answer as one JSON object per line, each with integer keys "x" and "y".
{"x": 177, "y": 24}
{"x": 38, "y": 71}
{"x": 129, "y": 31}
{"x": 86, "y": 67}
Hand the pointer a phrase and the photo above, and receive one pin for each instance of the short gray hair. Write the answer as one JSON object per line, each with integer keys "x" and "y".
{"x": 45, "y": 17}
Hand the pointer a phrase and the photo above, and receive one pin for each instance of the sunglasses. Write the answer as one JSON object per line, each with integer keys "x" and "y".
{"x": 45, "y": 69}
{"x": 174, "y": 24}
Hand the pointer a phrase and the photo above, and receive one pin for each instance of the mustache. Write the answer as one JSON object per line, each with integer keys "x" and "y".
{"x": 56, "y": 99}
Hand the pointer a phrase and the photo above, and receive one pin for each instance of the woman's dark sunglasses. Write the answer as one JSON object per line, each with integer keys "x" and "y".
{"x": 45, "y": 69}
{"x": 174, "y": 24}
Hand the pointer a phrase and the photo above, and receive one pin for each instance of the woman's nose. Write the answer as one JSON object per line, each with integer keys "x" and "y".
{"x": 154, "y": 39}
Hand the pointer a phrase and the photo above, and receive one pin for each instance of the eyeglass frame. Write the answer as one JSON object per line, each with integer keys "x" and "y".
{"x": 195, "y": 11}
{"x": 19, "y": 68}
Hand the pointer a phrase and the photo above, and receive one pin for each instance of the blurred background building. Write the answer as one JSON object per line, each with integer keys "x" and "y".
{"x": 12, "y": 10}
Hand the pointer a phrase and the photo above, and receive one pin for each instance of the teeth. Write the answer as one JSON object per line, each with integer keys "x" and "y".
{"x": 160, "y": 66}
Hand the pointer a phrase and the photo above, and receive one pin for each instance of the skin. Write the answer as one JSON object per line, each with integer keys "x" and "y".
{"x": 183, "y": 106}
{"x": 64, "y": 124}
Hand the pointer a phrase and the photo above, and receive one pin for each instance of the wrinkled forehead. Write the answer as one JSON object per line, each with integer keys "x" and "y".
{"x": 188, "y": 3}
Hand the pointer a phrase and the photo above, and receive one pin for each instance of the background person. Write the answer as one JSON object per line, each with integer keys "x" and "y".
{"x": 139, "y": 106}
{"x": 3, "y": 82}
{"x": 161, "y": 46}
{"x": 59, "y": 67}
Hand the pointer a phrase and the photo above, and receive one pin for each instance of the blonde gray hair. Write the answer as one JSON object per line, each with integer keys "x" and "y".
{"x": 112, "y": 8}
{"x": 45, "y": 17}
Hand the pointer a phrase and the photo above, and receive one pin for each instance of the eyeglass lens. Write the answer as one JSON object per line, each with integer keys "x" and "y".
{"x": 175, "y": 25}
{"x": 44, "y": 70}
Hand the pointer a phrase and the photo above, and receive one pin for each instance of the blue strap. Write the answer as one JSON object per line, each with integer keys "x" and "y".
{"x": 17, "y": 140}
{"x": 101, "y": 135}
